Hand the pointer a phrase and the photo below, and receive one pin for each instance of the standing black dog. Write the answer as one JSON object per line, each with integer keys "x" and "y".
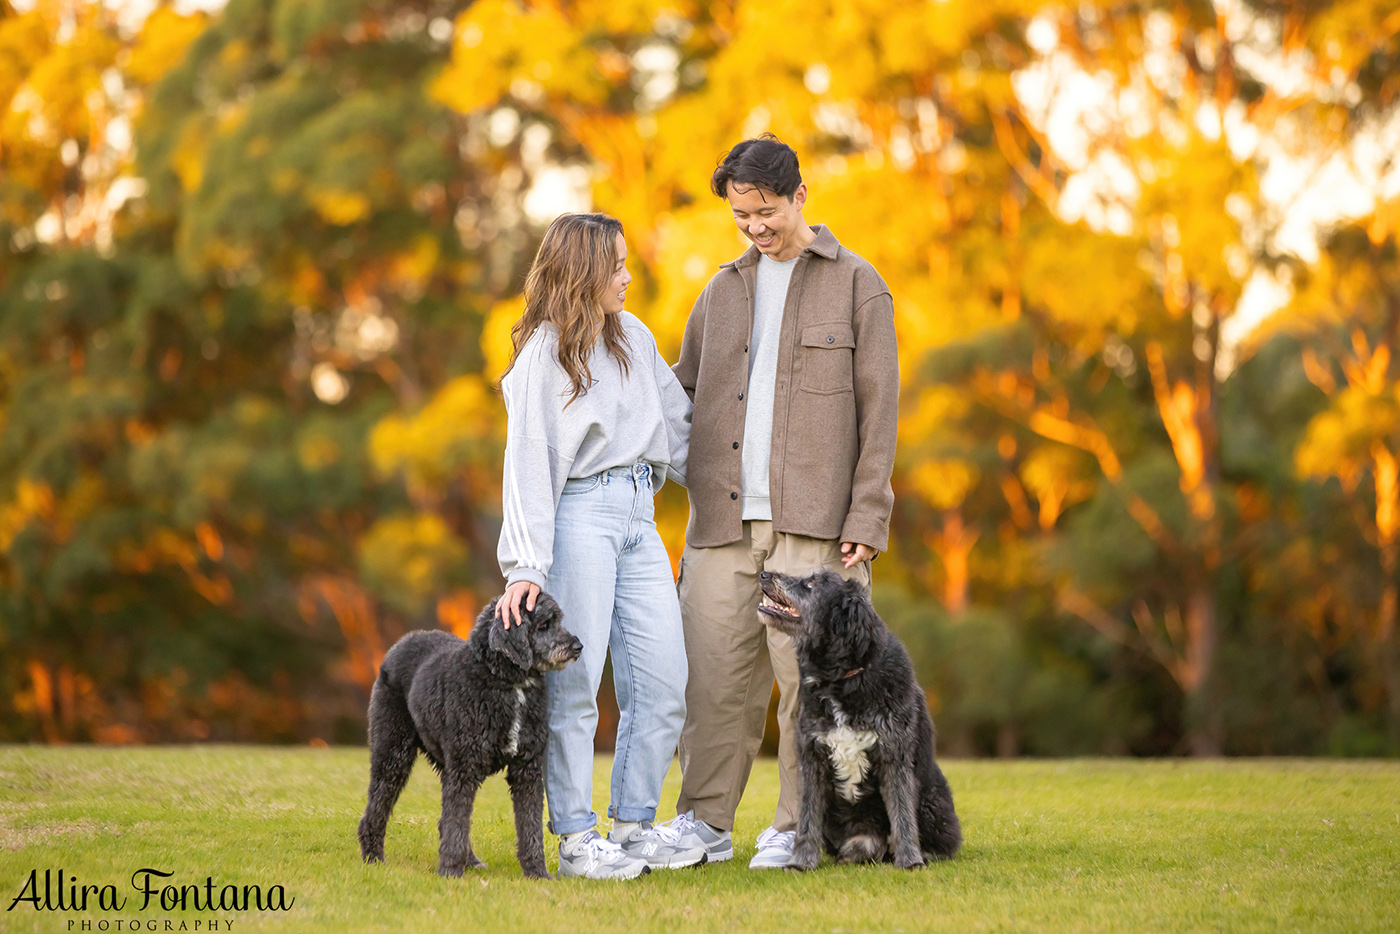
{"x": 870, "y": 786}
{"x": 474, "y": 707}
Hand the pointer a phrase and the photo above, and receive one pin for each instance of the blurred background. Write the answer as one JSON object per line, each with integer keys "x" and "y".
{"x": 259, "y": 262}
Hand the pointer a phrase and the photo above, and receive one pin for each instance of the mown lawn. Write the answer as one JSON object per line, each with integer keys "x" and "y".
{"x": 1083, "y": 845}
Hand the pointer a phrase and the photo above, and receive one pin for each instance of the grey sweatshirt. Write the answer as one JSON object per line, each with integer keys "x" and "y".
{"x": 619, "y": 421}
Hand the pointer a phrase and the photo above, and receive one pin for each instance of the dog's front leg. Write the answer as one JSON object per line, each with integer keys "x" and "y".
{"x": 811, "y": 810}
{"x": 455, "y": 826}
{"x": 526, "y": 781}
{"x": 897, "y": 788}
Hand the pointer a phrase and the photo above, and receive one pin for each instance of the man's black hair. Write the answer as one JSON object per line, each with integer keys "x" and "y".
{"x": 766, "y": 162}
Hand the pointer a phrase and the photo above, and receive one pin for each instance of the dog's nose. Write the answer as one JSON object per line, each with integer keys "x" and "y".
{"x": 764, "y": 575}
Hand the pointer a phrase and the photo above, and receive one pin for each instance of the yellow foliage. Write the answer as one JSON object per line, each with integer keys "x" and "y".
{"x": 934, "y": 406}
{"x": 162, "y": 43}
{"x": 1086, "y": 279}
{"x": 32, "y": 501}
{"x": 340, "y": 207}
{"x": 409, "y": 558}
{"x": 188, "y": 158}
{"x": 59, "y": 84}
{"x": 502, "y": 42}
{"x": 1193, "y": 185}
{"x": 24, "y": 40}
{"x": 1055, "y": 475}
{"x": 50, "y": 92}
{"x": 943, "y": 484}
{"x": 415, "y": 265}
{"x": 431, "y": 447}
{"x": 621, "y": 16}
{"x": 1347, "y": 33}
{"x": 496, "y": 344}
{"x": 691, "y": 245}
{"x": 1338, "y": 441}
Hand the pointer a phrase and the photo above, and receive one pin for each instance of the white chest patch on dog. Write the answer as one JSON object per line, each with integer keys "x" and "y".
{"x": 849, "y": 754}
{"x": 515, "y": 724}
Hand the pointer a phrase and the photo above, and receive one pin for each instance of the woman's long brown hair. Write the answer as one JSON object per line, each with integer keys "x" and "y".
{"x": 571, "y": 273}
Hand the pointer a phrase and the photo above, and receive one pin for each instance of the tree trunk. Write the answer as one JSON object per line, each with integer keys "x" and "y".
{"x": 1387, "y": 655}
{"x": 1204, "y": 723}
{"x": 953, "y": 544}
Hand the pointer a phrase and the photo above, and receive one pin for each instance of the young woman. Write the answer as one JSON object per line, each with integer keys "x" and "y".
{"x": 596, "y": 422}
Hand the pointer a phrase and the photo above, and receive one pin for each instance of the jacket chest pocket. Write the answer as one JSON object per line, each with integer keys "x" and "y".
{"x": 828, "y": 358}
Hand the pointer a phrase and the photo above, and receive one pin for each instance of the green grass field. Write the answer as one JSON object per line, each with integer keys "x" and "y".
{"x": 1109, "y": 845}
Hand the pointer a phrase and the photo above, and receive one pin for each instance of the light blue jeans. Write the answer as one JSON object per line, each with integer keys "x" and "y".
{"x": 612, "y": 578}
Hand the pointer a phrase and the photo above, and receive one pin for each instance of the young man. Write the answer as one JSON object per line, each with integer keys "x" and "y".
{"x": 790, "y": 357}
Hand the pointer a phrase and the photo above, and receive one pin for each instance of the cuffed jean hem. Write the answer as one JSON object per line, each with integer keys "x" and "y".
{"x": 577, "y": 825}
{"x": 632, "y": 815}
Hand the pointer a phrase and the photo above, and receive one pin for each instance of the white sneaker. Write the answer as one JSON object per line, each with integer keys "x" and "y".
{"x": 687, "y": 827}
{"x": 593, "y": 857}
{"x": 774, "y": 849}
{"x": 661, "y": 849}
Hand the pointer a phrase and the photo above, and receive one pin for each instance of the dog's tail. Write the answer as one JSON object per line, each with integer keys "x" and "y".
{"x": 393, "y": 748}
{"x": 940, "y": 832}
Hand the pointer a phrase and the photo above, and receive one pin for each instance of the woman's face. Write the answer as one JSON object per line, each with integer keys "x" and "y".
{"x": 616, "y": 292}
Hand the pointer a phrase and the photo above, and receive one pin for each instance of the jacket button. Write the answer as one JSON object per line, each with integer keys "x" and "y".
{"x": 830, "y": 339}
{"x": 746, "y": 348}
{"x": 741, "y": 397}
{"x": 736, "y": 445}
{"x": 733, "y": 495}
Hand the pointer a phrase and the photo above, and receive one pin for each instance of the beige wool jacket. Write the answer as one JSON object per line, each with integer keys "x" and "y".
{"x": 835, "y": 407}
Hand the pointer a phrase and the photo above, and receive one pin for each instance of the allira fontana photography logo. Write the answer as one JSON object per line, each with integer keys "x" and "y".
{"x": 56, "y": 890}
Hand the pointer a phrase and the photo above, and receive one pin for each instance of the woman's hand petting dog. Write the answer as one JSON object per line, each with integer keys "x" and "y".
{"x": 508, "y": 607}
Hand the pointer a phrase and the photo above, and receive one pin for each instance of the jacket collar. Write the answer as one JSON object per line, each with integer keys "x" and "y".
{"x": 825, "y": 246}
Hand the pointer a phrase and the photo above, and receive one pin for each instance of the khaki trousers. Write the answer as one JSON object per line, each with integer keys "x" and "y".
{"x": 733, "y": 658}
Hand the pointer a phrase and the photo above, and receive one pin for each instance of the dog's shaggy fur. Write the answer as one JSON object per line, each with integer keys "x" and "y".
{"x": 473, "y": 707}
{"x": 871, "y": 788}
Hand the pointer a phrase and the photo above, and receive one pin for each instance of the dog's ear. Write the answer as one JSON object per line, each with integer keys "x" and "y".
{"x": 513, "y": 643}
{"x": 859, "y": 617}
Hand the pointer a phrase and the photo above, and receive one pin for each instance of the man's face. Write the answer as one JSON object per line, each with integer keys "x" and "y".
{"x": 771, "y": 221}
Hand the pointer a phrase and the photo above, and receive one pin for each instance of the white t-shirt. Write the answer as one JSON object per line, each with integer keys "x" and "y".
{"x": 770, "y": 297}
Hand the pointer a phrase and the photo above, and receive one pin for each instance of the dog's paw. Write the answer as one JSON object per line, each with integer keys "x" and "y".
{"x": 538, "y": 874}
{"x": 803, "y": 861}
{"x": 909, "y": 862}
{"x": 373, "y": 857}
{"x": 474, "y": 862}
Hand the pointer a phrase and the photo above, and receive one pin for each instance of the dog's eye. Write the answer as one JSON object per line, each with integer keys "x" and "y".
{"x": 807, "y": 585}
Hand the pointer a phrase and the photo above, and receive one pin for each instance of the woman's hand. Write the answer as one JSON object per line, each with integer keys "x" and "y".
{"x": 509, "y": 604}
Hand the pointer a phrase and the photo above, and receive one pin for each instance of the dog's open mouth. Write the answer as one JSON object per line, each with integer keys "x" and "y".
{"x": 774, "y": 608}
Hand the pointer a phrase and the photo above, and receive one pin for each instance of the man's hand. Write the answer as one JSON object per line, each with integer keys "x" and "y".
{"x": 855, "y": 553}
{"x": 509, "y": 604}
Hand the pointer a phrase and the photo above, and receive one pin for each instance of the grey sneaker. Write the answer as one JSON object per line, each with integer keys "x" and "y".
{"x": 594, "y": 857}
{"x": 661, "y": 849}
{"x": 690, "y": 830}
{"x": 774, "y": 849}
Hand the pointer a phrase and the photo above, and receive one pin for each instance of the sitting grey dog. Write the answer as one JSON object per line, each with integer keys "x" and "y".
{"x": 871, "y": 789}
{"x": 473, "y": 707}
